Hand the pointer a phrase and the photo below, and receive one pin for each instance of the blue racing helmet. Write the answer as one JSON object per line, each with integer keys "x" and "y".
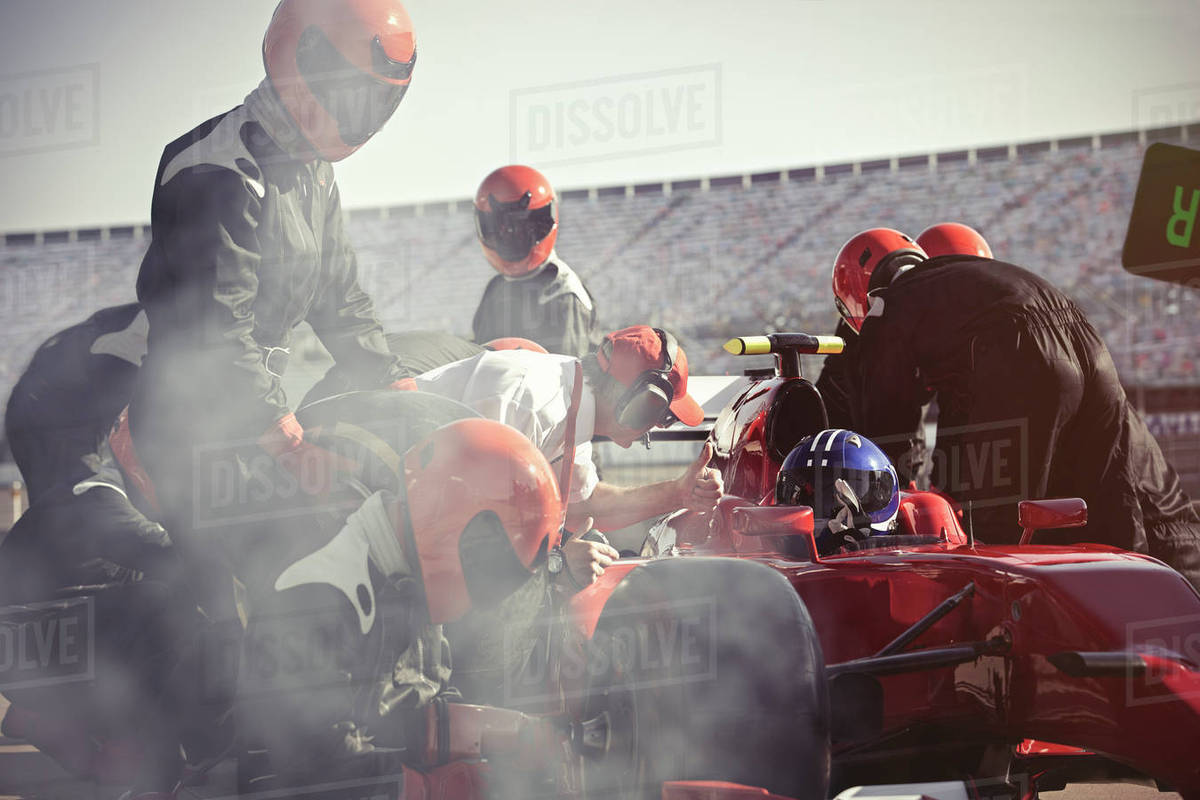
{"x": 810, "y": 471}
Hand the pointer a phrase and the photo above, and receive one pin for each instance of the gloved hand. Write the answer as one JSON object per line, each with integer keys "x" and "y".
{"x": 847, "y": 520}
{"x": 850, "y": 525}
{"x": 403, "y": 385}
{"x": 315, "y": 468}
{"x": 587, "y": 555}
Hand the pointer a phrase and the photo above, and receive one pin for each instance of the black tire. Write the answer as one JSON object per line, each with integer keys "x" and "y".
{"x": 707, "y": 669}
{"x": 374, "y": 428}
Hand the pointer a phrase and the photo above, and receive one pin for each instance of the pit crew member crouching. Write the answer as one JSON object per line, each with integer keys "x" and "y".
{"x": 344, "y": 653}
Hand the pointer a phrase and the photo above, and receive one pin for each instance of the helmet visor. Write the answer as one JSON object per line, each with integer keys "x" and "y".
{"x": 388, "y": 67}
{"x": 812, "y": 486}
{"x": 490, "y": 566}
{"x": 512, "y": 229}
{"x": 356, "y": 100}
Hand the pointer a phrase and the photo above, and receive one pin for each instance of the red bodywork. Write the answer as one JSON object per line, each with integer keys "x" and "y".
{"x": 1040, "y": 601}
{"x": 1095, "y": 650}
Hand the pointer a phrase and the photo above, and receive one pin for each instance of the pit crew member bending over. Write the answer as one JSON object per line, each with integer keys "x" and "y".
{"x": 635, "y": 381}
{"x": 1002, "y": 347}
{"x": 82, "y": 537}
{"x": 80, "y": 530}
{"x": 839, "y": 373}
{"x": 69, "y": 395}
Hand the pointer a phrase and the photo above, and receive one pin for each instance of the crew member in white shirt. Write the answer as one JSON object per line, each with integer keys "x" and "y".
{"x": 635, "y": 381}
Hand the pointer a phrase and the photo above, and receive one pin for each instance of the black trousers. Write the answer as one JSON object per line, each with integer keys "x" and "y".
{"x": 1042, "y": 413}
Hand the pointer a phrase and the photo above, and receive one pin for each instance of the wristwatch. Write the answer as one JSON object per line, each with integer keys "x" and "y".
{"x": 556, "y": 562}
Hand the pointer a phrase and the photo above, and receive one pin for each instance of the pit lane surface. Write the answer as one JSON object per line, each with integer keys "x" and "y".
{"x": 26, "y": 774}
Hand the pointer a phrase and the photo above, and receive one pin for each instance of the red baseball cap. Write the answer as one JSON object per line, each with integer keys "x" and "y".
{"x": 627, "y": 353}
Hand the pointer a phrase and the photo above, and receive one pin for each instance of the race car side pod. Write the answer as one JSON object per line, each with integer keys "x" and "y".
{"x": 787, "y": 348}
{"x": 891, "y": 659}
{"x": 926, "y": 622}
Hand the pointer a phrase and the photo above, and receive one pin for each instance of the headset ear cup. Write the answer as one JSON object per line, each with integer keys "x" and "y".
{"x": 648, "y": 401}
{"x": 645, "y": 404}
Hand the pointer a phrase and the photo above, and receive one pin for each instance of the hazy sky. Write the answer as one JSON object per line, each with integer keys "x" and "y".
{"x": 595, "y": 93}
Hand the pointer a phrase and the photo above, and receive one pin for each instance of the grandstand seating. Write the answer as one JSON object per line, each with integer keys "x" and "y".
{"x": 720, "y": 261}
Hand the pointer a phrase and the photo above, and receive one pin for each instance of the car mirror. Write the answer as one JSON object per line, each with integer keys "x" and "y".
{"x": 772, "y": 521}
{"x": 1064, "y": 512}
{"x": 794, "y": 522}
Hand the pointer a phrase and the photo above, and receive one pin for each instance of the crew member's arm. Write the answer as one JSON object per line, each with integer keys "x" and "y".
{"x": 205, "y": 282}
{"x": 613, "y": 507}
{"x": 343, "y": 315}
{"x": 836, "y": 382}
{"x": 890, "y": 393}
{"x": 586, "y": 559}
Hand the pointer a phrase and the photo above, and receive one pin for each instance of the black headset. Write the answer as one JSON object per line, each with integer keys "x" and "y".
{"x": 648, "y": 400}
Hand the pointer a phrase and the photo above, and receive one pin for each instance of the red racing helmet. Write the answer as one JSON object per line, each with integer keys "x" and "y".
{"x": 953, "y": 239}
{"x": 516, "y": 219}
{"x": 340, "y": 67}
{"x": 869, "y": 260}
{"x": 515, "y": 343}
{"x": 483, "y": 511}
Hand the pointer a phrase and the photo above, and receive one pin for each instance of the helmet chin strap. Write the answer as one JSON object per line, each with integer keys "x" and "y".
{"x": 533, "y": 272}
{"x": 268, "y": 110}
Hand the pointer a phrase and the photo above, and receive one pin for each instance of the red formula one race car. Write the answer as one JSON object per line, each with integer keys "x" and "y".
{"x": 919, "y": 657}
{"x": 732, "y": 660}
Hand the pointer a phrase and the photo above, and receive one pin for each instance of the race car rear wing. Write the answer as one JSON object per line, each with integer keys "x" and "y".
{"x": 787, "y": 348}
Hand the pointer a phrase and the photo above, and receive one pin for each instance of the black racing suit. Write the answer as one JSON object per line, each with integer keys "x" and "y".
{"x": 82, "y": 539}
{"x": 247, "y": 243}
{"x": 1030, "y": 407}
{"x": 838, "y": 383}
{"x": 65, "y": 402}
{"x": 551, "y": 306}
{"x": 80, "y": 528}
